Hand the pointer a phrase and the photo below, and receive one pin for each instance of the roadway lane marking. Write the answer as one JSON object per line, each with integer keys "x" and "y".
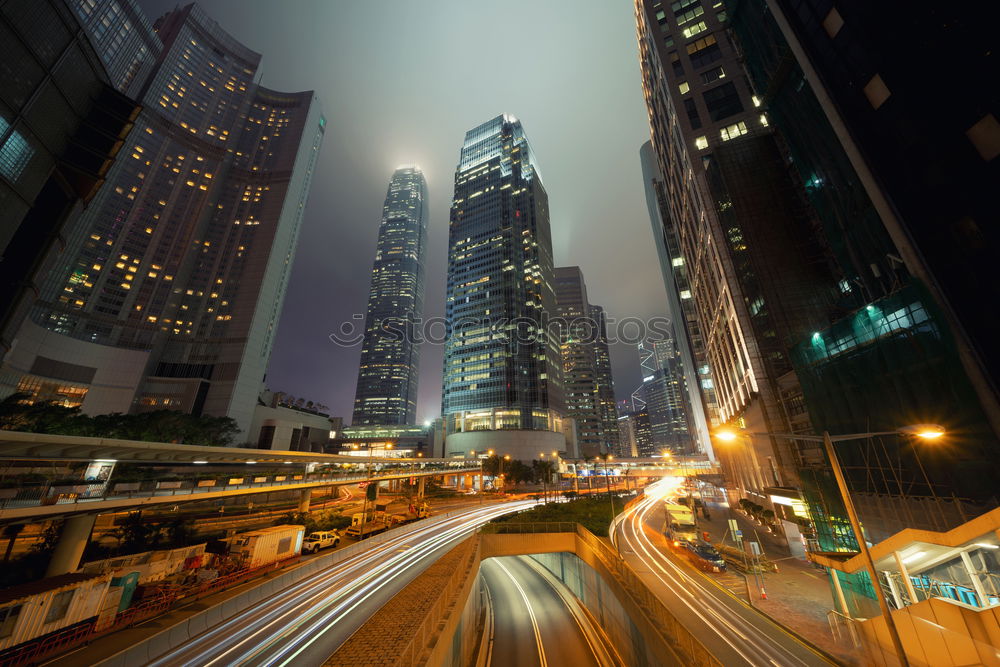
{"x": 531, "y": 614}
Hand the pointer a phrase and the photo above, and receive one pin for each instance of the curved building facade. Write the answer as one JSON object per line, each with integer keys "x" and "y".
{"x": 390, "y": 356}
{"x": 184, "y": 254}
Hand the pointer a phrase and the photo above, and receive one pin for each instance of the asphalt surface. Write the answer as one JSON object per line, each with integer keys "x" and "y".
{"x": 305, "y": 623}
{"x": 736, "y": 634}
{"x": 536, "y": 621}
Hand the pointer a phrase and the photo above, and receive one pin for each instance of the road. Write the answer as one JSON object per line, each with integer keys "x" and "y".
{"x": 305, "y": 623}
{"x": 736, "y": 634}
{"x": 537, "y": 621}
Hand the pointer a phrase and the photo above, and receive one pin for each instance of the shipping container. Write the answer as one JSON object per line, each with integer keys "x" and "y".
{"x": 267, "y": 545}
{"x": 37, "y": 608}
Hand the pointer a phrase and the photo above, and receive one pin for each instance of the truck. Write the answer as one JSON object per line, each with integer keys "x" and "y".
{"x": 415, "y": 513}
{"x": 267, "y": 545}
{"x": 680, "y": 524}
{"x": 368, "y": 523}
{"x": 320, "y": 539}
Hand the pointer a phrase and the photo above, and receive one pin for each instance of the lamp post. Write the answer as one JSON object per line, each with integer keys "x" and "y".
{"x": 924, "y": 431}
{"x": 545, "y": 495}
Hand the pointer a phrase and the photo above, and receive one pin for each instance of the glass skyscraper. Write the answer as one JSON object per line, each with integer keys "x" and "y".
{"x": 390, "y": 356}
{"x": 502, "y": 364}
{"x": 167, "y": 292}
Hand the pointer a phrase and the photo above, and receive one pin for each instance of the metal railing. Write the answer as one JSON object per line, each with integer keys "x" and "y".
{"x": 46, "y": 494}
{"x": 673, "y": 632}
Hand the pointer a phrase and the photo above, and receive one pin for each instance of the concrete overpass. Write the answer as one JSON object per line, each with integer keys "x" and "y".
{"x": 79, "y": 504}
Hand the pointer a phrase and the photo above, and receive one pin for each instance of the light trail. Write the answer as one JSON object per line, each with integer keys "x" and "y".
{"x": 741, "y": 635}
{"x": 295, "y": 618}
{"x": 531, "y": 614}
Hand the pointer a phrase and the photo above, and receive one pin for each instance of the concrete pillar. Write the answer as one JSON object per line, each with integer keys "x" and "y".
{"x": 420, "y": 486}
{"x": 72, "y": 541}
{"x": 304, "y": 497}
{"x": 460, "y": 482}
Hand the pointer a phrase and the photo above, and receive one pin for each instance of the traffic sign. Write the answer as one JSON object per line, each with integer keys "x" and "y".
{"x": 755, "y": 548}
{"x": 738, "y": 534}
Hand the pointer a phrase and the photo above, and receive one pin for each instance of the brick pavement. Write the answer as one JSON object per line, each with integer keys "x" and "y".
{"x": 385, "y": 636}
{"x": 798, "y": 595}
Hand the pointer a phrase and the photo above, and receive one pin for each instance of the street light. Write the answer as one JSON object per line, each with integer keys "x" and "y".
{"x": 924, "y": 431}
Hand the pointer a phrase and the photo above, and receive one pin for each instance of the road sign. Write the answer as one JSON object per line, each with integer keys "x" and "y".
{"x": 755, "y": 548}
{"x": 738, "y": 534}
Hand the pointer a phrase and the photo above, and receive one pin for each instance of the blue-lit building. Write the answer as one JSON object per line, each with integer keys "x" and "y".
{"x": 502, "y": 364}
{"x": 390, "y": 356}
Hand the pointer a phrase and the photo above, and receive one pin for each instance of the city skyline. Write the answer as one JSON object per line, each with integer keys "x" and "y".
{"x": 370, "y": 133}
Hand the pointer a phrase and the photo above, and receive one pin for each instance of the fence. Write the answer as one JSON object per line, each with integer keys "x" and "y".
{"x": 45, "y": 494}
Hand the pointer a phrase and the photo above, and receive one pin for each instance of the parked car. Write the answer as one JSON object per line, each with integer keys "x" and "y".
{"x": 320, "y": 540}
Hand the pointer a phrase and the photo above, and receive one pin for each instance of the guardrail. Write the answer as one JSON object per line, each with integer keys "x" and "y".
{"x": 46, "y": 494}
{"x": 678, "y": 637}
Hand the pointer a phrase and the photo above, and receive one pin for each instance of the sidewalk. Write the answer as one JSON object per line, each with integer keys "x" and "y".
{"x": 798, "y": 595}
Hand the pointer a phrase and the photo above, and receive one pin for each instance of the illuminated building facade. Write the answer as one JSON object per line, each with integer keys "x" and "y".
{"x": 169, "y": 288}
{"x": 738, "y": 224}
{"x": 587, "y": 383}
{"x": 388, "y": 373}
{"x": 502, "y": 365}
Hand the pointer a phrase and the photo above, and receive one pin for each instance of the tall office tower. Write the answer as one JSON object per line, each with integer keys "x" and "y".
{"x": 586, "y": 364}
{"x": 605, "y": 381}
{"x": 390, "y": 356}
{"x": 665, "y": 395}
{"x": 502, "y": 365}
{"x": 685, "y": 327}
{"x": 746, "y": 240}
{"x": 903, "y": 184}
{"x": 62, "y": 124}
{"x": 169, "y": 287}
{"x": 627, "y": 445}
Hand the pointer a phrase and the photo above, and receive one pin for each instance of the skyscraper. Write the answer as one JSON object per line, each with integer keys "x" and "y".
{"x": 758, "y": 275}
{"x": 587, "y": 382}
{"x": 502, "y": 365}
{"x": 390, "y": 357}
{"x": 170, "y": 285}
{"x": 665, "y": 395}
{"x": 911, "y": 339}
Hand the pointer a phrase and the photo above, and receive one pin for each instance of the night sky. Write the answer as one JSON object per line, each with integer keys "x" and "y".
{"x": 401, "y": 82}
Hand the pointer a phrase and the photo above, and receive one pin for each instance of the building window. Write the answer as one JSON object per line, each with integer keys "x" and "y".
{"x": 692, "y": 112}
{"x": 683, "y": 87}
{"x": 833, "y": 23}
{"x": 876, "y": 91}
{"x": 723, "y": 101}
{"x": 695, "y": 29}
{"x": 60, "y": 605}
{"x": 668, "y": 41}
{"x": 985, "y": 136}
{"x": 701, "y": 143}
{"x": 733, "y": 131}
{"x": 8, "y": 620}
{"x": 712, "y": 75}
{"x": 14, "y": 151}
{"x": 704, "y": 51}
{"x": 675, "y": 63}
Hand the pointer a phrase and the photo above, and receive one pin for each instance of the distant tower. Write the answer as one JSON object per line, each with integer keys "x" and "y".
{"x": 502, "y": 365}
{"x": 586, "y": 362}
{"x": 387, "y": 377}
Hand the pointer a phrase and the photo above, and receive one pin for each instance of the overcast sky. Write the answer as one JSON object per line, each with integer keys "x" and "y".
{"x": 401, "y": 82}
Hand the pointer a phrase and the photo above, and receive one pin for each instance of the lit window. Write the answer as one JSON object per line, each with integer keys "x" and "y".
{"x": 695, "y": 29}
{"x": 763, "y": 119}
{"x": 683, "y": 87}
{"x": 685, "y": 294}
{"x": 701, "y": 143}
{"x": 677, "y": 261}
{"x": 733, "y": 131}
{"x": 14, "y": 152}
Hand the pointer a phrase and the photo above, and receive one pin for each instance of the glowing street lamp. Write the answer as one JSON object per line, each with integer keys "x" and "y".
{"x": 928, "y": 432}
